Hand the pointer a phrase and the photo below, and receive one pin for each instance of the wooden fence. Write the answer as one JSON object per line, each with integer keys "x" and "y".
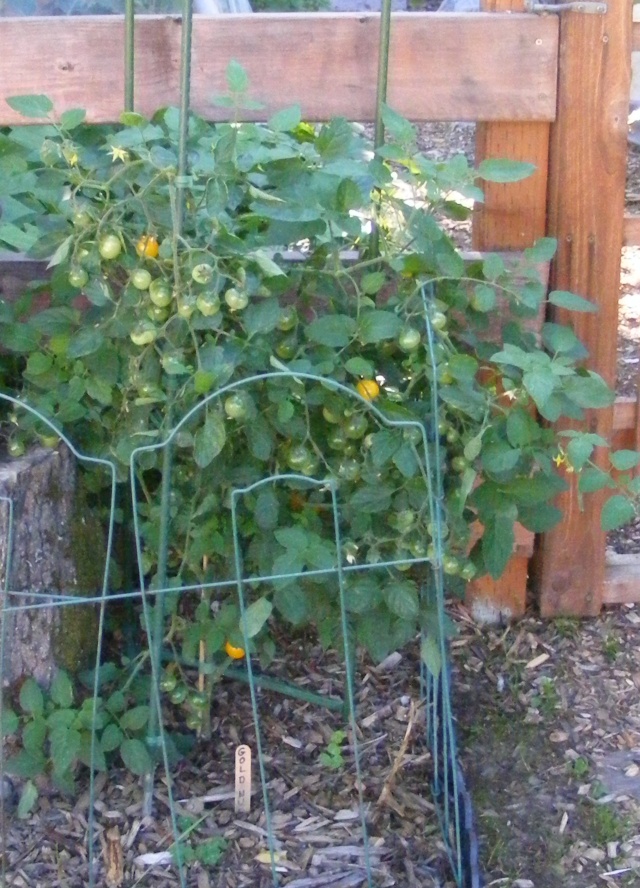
{"x": 549, "y": 89}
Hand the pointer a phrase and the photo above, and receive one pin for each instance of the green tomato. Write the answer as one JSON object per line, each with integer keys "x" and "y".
{"x": 405, "y": 519}
{"x": 186, "y": 308}
{"x": 452, "y": 435}
{"x": 298, "y": 457}
{"x": 413, "y": 436}
{"x": 143, "y": 334}
{"x": 168, "y": 682}
{"x": 78, "y": 277}
{"x": 236, "y": 299}
{"x": 287, "y": 348}
{"x": 439, "y": 321}
{"x": 208, "y": 305}
{"x": 160, "y": 293}
{"x": 419, "y": 548}
{"x": 198, "y": 699}
{"x": 194, "y": 721}
{"x": 110, "y": 246}
{"x": 288, "y": 319}
{"x": 157, "y": 314}
{"x": 16, "y": 447}
{"x": 445, "y": 377}
{"x": 203, "y": 273}
{"x": 310, "y": 467}
{"x": 468, "y": 571}
{"x": 49, "y": 440}
{"x": 141, "y": 279}
{"x": 451, "y": 565}
{"x": 356, "y": 426}
{"x": 81, "y": 218}
{"x": 409, "y": 339}
{"x": 336, "y": 439}
{"x": 332, "y": 413}
{"x": 349, "y": 469}
{"x": 178, "y": 694}
{"x": 459, "y": 464}
{"x": 235, "y": 406}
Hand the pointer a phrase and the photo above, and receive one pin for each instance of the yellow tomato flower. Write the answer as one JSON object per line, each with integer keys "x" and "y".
{"x": 119, "y": 154}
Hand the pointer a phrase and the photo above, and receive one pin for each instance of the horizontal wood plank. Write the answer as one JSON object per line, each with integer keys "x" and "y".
{"x": 442, "y": 66}
{"x": 631, "y": 230}
{"x": 621, "y": 579}
{"x": 625, "y": 421}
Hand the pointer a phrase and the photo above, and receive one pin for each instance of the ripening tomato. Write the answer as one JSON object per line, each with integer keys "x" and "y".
{"x": 236, "y": 653}
{"x": 368, "y": 389}
{"x": 147, "y": 247}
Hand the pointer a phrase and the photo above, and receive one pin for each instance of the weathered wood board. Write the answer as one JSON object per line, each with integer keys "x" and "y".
{"x": 588, "y": 169}
{"x": 442, "y": 66}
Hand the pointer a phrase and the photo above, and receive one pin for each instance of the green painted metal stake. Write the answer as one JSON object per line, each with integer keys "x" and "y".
{"x": 182, "y": 179}
{"x": 381, "y": 98}
{"x": 129, "y": 54}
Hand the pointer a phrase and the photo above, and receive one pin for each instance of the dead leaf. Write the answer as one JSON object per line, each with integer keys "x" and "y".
{"x": 114, "y": 859}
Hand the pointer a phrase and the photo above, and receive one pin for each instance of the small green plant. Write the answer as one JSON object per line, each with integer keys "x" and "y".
{"x": 195, "y": 849}
{"x": 605, "y": 824}
{"x": 332, "y": 757}
{"x": 54, "y": 728}
{"x": 547, "y": 699}
{"x": 611, "y": 648}
{"x": 579, "y": 767}
{"x": 566, "y": 627}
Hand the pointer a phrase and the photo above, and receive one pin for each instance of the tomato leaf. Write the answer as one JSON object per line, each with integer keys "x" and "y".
{"x": 31, "y": 106}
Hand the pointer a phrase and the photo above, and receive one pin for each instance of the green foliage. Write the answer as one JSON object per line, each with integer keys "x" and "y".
{"x": 579, "y": 767}
{"x": 53, "y": 728}
{"x": 144, "y": 320}
{"x": 332, "y": 757}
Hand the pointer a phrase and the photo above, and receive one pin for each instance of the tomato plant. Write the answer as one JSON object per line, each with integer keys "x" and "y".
{"x": 176, "y": 314}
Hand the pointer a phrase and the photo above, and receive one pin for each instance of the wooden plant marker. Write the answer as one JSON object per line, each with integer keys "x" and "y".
{"x": 243, "y": 780}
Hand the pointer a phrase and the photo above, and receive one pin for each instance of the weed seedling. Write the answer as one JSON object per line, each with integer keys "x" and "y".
{"x": 610, "y": 648}
{"x": 332, "y": 756}
{"x": 579, "y": 768}
{"x": 547, "y": 699}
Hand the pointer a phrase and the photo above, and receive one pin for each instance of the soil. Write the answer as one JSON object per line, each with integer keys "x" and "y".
{"x": 548, "y": 717}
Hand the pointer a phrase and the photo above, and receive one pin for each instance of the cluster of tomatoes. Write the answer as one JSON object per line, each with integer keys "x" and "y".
{"x": 194, "y": 702}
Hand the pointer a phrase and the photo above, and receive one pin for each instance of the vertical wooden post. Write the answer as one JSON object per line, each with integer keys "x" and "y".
{"x": 585, "y": 212}
{"x": 512, "y": 217}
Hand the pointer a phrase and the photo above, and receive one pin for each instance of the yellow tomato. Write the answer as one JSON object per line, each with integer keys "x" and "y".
{"x": 368, "y": 389}
{"x": 236, "y": 653}
{"x": 147, "y": 246}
